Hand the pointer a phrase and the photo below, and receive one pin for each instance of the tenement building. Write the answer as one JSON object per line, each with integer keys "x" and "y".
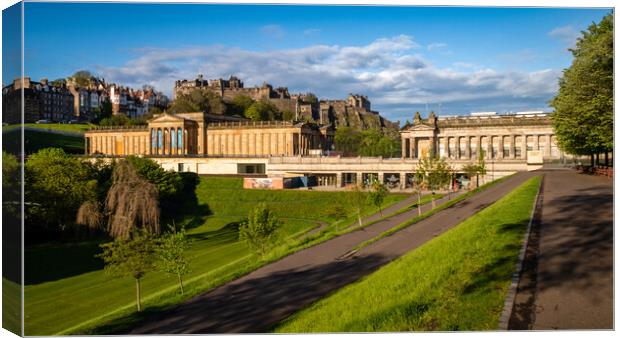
{"x": 506, "y": 136}
{"x": 42, "y": 101}
{"x": 206, "y": 135}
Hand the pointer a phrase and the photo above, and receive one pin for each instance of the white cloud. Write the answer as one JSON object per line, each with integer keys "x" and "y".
{"x": 388, "y": 70}
{"x": 311, "y": 31}
{"x": 436, "y": 45}
{"x": 567, "y": 34}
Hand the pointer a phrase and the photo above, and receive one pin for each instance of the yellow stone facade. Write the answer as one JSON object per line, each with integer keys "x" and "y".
{"x": 200, "y": 134}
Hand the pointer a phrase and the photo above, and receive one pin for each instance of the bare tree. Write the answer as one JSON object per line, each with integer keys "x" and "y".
{"x": 132, "y": 202}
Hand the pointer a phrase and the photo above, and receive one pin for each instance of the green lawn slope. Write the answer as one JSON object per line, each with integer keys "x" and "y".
{"x": 67, "y": 291}
{"x": 457, "y": 281}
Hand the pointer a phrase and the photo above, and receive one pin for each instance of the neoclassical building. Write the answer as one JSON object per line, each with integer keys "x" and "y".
{"x": 201, "y": 134}
{"x": 506, "y": 136}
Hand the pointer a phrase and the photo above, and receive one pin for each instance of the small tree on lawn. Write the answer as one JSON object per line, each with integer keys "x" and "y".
{"x": 171, "y": 252}
{"x": 359, "y": 201}
{"x": 377, "y": 194}
{"x": 435, "y": 173}
{"x": 260, "y": 231}
{"x": 418, "y": 185}
{"x": 471, "y": 170}
{"x": 482, "y": 167}
{"x": 130, "y": 258}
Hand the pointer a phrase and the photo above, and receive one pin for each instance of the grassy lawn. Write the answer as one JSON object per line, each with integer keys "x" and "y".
{"x": 36, "y": 140}
{"x": 457, "y": 281}
{"x": 11, "y": 306}
{"x": 69, "y": 293}
{"x": 76, "y": 128}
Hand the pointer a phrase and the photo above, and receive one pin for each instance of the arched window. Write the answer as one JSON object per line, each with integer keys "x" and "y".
{"x": 180, "y": 137}
{"x": 160, "y": 140}
{"x": 153, "y": 142}
{"x": 173, "y": 139}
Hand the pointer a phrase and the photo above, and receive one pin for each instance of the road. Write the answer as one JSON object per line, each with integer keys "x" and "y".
{"x": 568, "y": 282}
{"x": 257, "y": 301}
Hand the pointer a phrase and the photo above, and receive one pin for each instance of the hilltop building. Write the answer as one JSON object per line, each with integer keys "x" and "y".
{"x": 42, "y": 101}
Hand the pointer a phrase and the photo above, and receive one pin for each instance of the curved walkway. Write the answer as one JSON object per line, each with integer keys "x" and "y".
{"x": 257, "y": 301}
{"x": 568, "y": 278}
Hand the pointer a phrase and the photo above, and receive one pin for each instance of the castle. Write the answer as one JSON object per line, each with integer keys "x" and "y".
{"x": 354, "y": 111}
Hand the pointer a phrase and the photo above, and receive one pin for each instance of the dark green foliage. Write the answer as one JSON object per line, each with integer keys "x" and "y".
{"x": 583, "y": 117}
{"x": 10, "y": 178}
{"x": 198, "y": 100}
{"x": 371, "y": 142}
{"x": 239, "y": 105}
{"x": 56, "y": 185}
{"x": 263, "y": 110}
{"x": 311, "y": 98}
{"x": 168, "y": 183}
{"x": 130, "y": 258}
{"x": 260, "y": 231}
{"x": 82, "y": 78}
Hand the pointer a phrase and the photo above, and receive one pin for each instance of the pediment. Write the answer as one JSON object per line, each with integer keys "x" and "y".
{"x": 420, "y": 127}
{"x": 166, "y": 118}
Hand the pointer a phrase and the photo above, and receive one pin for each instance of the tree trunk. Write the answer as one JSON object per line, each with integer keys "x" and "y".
{"x": 606, "y": 159}
{"x": 477, "y": 182}
{"x": 591, "y": 160}
{"x": 433, "y": 199}
{"x": 138, "y": 294}
{"x": 181, "y": 283}
{"x": 359, "y": 217}
{"x": 597, "y": 160}
{"x": 419, "y": 201}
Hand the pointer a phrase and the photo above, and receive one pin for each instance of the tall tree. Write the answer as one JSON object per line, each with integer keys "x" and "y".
{"x": 377, "y": 194}
{"x": 583, "y": 117}
{"x": 132, "y": 202}
{"x": 435, "y": 173}
{"x": 171, "y": 250}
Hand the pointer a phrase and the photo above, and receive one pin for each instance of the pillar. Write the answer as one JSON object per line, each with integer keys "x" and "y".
{"x": 446, "y": 147}
{"x": 548, "y": 146}
{"x": 339, "y": 179}
{"x": 403, "y": 181}
{"x": 490, "y": 147}
{"x": 467, "y": 147}
{"x": 500, "y": 147}
{"x": 523, "y": 146}
{"x": 358, "y": 178}
{"x": 431, "y": 147}
{"x": 380, "y": 177}
{"x": 403, "y": 147}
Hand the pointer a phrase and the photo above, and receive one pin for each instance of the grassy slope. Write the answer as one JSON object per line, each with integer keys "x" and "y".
{"x": 90, "y": 298}
{"x": 36, "y": 140}
{"x": 11, "y": 306}
{"x": 78, "y": 128}
{"x": 456, "y": 281}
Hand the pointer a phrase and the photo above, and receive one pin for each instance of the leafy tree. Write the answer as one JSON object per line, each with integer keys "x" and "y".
{"x": 348, "y": 140}
{"x": 240, "y": 104}
{"x": 132, "y": 203}
{"x": 56, "y": 185}
{"x": 198, "y": 100}
{"x": 287, "y": 115}
{"x": 583, "y": 117}
{"x": 435, "y": 173}
{"x": 377, "y": 194}
{"x": 130, "y": 258}
{"x": 115, "y": 120}
{"x": 371, "y": 142}
{"x": 260, "y": 231}
{"x": 471, "y": 170}
{"x": 171, "y": 250}
{"x": 168, "y": 183}
{"x": 82, "y": 78}
{"x": 262, "y": 110}
{"x": 311, "y": 98}
{"x": 10, "y": 177}
{"x": 482, "y": 167}
{"x": 58, "y": 82}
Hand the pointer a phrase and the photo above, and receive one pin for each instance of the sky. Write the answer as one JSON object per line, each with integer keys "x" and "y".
{"x": 453, "y": 60}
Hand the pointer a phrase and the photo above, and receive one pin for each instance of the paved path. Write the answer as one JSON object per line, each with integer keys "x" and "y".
{"x": 569, "y": 283}
{"x": 257, "y": 301}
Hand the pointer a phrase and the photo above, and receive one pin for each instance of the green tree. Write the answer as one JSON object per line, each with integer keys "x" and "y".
{"x": 58, "y": 82}
{"x": 435, "y": 174}
{"x": 82, "y": 78}
{"x": 348, "y": 140}
{"x": 377, "y": 194}
{"x": 130, "y": 258}
{"x": 583, "y": 117}
{"x": 240, "y": 104}
{"x": 10, "y": 178}
{"x": 171, "y": 250}
{"x": 359, "y": 199}
{"x": 132, "y": 203}
{"x": 262, "y": 110}
{"x": 287, "y": 115}
{"x": 471, "y": 170}
{"x": 482, "y": 166}
{"x": 311, "y": 98}
{"x": 198, "y": 100}
{"x": 56, "y": 185}
{"x": 260, "y": 231}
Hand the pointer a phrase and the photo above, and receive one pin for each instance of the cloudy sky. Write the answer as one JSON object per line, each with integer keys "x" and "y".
{"x": 450, "y": 60}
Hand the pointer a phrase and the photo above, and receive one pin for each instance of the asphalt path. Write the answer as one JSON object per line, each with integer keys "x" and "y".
{"x": 568, "y": 280}
{"x": 257, "y": 301}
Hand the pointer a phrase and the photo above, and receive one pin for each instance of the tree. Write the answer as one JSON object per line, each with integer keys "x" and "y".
{"x": 287, "y": 115}
{"x": 56, "y": 185}
{"x": 130, "y": 258}
{"x": 359, "y": 201}
{"x": 583, "y": 117}
{"x": 132, "y": 203}
{"x": 311, "y": 98}
{"x": 471, "y": 170}
{"x": 239, "y": 105}
{"x": 171, "y": 250}
{"x": 82, "y": 78}
{"x": 10, "y": 178}
{"x": 377, "y": 194}
{"x": 347, "y": 140}
{"x": 260, "y": 231}
{"x": 198, "y": 100}
{"x": 482, "y": 167}
{"x": 262, "y": 110}
{"x": 435, "y": 173}
{"x": 58, "y": 82}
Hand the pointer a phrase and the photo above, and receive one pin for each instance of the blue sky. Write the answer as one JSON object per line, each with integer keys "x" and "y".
{"x": 404, "y": 58}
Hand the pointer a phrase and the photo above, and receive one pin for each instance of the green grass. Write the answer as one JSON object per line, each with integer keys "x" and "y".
{"x": 35, "y": 140}
{"x": 76, "y": 128}
{"x": 82, "y": 299}
{"x": 11, "y": 306}
{"x": 456, "y": 281}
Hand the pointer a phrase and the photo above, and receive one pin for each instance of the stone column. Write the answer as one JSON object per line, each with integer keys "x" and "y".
{"x": 431, "y": 147}
{"x": 339, "y": 179}
{"x": 403, "y": 147}
{"x": 478, "y": 145}
{"x": 512, "y": 146}
{"x": 500, "y": 148}
{"x": 446, "y": 147}
{"x": 490, "y": 147}
{"x": 468, "y": 147}
{"x": 548, "y": 147}
{"x": 523, "y": 146}
{"x": 403, "y": 181}
{"x": 380, "y": 177}
{"x": 358, "y": 178}
{"x": 536, "y": 145}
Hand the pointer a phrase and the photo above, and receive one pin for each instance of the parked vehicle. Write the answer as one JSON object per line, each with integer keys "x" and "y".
{"x": 42, "y": 121}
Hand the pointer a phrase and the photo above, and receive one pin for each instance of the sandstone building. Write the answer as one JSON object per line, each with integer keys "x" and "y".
{"x": 508, "y": 136}
{"x": 206, "y": 135}
{"x": 42, "y": 101}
